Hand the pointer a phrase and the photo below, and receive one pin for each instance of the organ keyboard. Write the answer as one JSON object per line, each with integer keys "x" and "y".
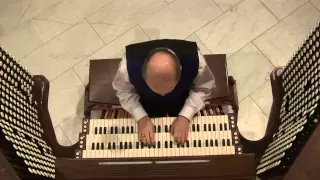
{"x": 117, "y": 138}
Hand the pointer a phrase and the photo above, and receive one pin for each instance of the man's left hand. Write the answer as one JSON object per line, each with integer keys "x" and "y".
{"x": 180, "y": 129}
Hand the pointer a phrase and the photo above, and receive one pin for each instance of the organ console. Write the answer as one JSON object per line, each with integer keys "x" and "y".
{"x": 108, "y": 147}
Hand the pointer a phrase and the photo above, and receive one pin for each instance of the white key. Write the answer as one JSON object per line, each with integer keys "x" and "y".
{"x": 108, "y": 126}
{"x": 131, "y": 123}
{"x": 225, "y": 135}
{"x": 151, "y": 152}
{"x": 91, "y": 126}
{"x": 133, "y": 142}
{"x": 211, "y": 134}
{"x": 220, "y": 135}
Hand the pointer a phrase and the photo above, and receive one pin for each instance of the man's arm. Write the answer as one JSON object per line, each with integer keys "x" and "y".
{"x": 204, "y": 83}
{"x": 126, "y": 93}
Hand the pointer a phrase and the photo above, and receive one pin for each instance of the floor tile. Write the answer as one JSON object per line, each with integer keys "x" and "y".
{"x": 316, "y": 3}
{"x": 170, "y": 1}
{"x": 66, "y": 97}
{"x": 202, "y": 47}
{"x": 254, "y": 119}
{"x": 36, "y": 7}
{"x": 250, "y": 69}
{"x": 121, "y": 15}
{"x": 11, "y": 13}
{"x": 30, "y": 36}
{"x": 263, "y": 97}
{"x": 180, "y": 19}
{"x": 246, "y": 133}
{"x": 282, "y": 40}
{"x": 72, "y": 11}
{"x": 64, "y": 51}
{"x": 237, "y": 27}
{"x": 226, "y": 5}
{"x": 282, "y": 8}
{"x": 61, "y": 137}
{"x": 73, "y": 126}
{"x": 115, "y": 49}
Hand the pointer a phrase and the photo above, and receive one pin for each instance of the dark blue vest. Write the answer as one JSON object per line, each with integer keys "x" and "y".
{"x": 187, "y": 53}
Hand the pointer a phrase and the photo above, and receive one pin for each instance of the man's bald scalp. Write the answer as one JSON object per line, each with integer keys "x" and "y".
{"x": 162, "y": 65}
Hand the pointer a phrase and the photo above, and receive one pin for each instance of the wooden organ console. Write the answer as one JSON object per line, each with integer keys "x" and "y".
{"x": 108, "y": 147}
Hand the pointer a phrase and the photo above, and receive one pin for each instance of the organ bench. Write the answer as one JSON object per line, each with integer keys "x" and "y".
{"x": 108, "y": 146}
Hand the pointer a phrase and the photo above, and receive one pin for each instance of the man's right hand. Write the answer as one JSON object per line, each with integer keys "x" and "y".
{"x": 146, "y": 131}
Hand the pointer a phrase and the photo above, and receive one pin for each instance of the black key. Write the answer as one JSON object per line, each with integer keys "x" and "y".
{"x": 159, "y": 129}
{"x": 211, "y": 143}
{"x": 142, "y": 145}
{"x": 166, "y": 128}
{"x": 228, "y": 142}
{"x": 198, "y": 127}
{"x": 193, "y": 127}
{"x": 154, "y": 145}
{"x": 223, "y": 142}
{"x": 209, "y": 127}
{"x": 111, "y": 130}
{"x": 166, "y": 144}
{"x": 130, "y": 145}
{"x": 104, "y": 130}
{"x": 100, "y": 130}
{"x": 225, "y": 127}
{"x": 171, "y": 144}
{"x": 125, "y": 145}
{"x": 155, "y": 128}
{"x": 159, "y": 145}
{"x": 137, "y": 145}
{"x": 207, "y": 143}
{"x": 204, "y": 127}
{"x": 98, "y": 146}
{"x": 132, "y": 129}
{"x": 170, "y": 129}
{"x": 220, "y": 127}
{"x": 122, "y": 130}
{"x": 216, "y": 142}
{"x": 194, "y": 143}
{"x": 114, "y": 145}
{"x": 199, "y": 143}
{"x": 128, "y": 129}
{"x": 92, "y": 146}
{"x": 102, "y": 146}
{"x": 109, "y": 145}
{"x": 116, "y": 130}
{"x": 187, "y": 144}
{"x": 178, "y": 145}
{"x": 121, "y": 146}
{"x": 95, "y": 130}
{"x": 182, "y": 145}
{"x": 213, "y": 127}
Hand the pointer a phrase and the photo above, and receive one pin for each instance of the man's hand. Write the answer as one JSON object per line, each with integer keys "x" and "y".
{"x": 146, "y": 131}
{"x": 180, "y": 129}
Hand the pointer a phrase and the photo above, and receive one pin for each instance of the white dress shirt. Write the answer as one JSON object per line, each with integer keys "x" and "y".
{"x": 129, "y": 98}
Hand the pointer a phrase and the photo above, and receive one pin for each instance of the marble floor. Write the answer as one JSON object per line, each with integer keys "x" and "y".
{"x": 57, "y": 38}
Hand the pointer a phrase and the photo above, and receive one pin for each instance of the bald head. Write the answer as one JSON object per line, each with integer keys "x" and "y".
{"x": 161, "y": 72}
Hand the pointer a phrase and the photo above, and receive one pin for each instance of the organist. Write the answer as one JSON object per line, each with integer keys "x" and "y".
{"x": 163, "y": 77}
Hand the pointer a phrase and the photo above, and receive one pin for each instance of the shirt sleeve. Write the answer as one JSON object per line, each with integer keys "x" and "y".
{"x": 204, "y": 84}
{"x": 128, "y": 97}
